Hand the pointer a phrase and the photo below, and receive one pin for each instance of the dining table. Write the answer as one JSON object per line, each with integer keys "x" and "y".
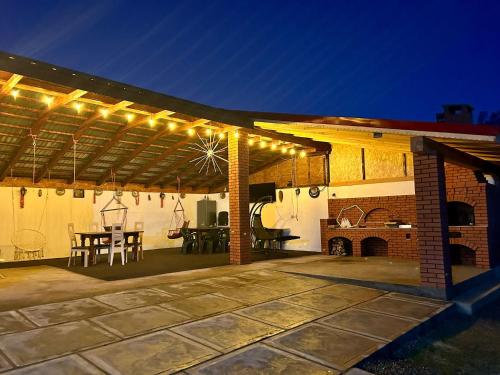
{"x": 100, "y": 237}
{"x": 199, "y": 231}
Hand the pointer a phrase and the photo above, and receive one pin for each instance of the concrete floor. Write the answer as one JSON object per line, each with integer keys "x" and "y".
{"x": 226, "y": 320}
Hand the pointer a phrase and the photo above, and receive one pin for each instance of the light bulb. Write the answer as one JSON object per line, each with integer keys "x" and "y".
{"x": 130, "y": 117}
{"x": 190, "y": 132}
{"x": 172, "y": 125}
{"x": 14, "y": 94}
{"x": 104, "y": 112}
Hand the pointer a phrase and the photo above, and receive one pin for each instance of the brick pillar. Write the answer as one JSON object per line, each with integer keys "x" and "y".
{"x": 239, "y": 201}
{"x": 356, "y": 247}
{"x": 432, "y": 220}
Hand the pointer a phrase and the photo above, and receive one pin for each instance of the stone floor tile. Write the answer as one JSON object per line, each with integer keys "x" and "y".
{"x": 251, "y": 294}
{"x": 319, "y": 301}
{"x": 260, "y": 359}
{"x": 40, "y": 344}
{"x": 188, "y": 289}
{"x": 135, "y": 298}
{"x": 405, "y": 309}
{"x": 227, "y": 282}
{"x": 281, "y": 314}
{"x": 139, "y": 320}
{"x": 202, "y": 306}
{"x": 296, "y": 284}
{"x": 370, "y": 323}
{"x": 408, "y": 297}
{"x": 158, "y": 352}
{"x": 259, "y": 276}
{"x": 67, "y": 311}
{"x": 329, "y": 346}
{"x": 72, "y": 364}
{"x": 351, "y": 292}
{"x": 12, "y": 321}
{"x": 226, "y": 332}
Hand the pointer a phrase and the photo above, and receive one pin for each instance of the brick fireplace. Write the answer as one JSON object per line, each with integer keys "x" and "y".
{"x": 472, "y": 240}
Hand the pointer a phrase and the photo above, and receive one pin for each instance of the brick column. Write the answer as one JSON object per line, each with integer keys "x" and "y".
{"x": 239, "y": 201}
{"x": 432, "y": 220}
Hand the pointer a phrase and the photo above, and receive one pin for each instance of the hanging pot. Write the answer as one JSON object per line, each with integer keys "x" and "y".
{"x": 280, "y": 196}
{"x": 297, "y": 191}
{"x": 314, "y": 192}
{"x": 222, "y": 195}
{"x": 183, "y": 195}
{"x": 40, "y": 192}
{"x": 60, "y": 191}
{"x": 135, "y": 194}
{"x": 162, "y": 197}
{"x": 119, "y": 192}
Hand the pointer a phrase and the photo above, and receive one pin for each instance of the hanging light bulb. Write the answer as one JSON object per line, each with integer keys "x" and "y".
{"x": 130, "y": 117}
{"x": 14, "y": 94}
{"x": 262, "y": 144}
{"x": 151, "y": 121}
{"x": 104, "y": 112}
{"x": 78, "y": 107}
{"x": 190, "y": 132}
{"x": 251, "y": 141}
{"x": 221, "y": 135}
{"x": 172, "y": 125}
{"x": 48, "y": 100}
{"x": 283, "y": 149}
{"x": 302, "y": 154}
{"x": 274, "y": 146}
{"x": 236, "y": 134}
{"x": 292, "y": 151}
{"x": 208, "y": 132}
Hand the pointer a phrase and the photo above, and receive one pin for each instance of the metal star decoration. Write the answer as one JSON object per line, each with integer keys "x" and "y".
{"x": 210, "y": 148}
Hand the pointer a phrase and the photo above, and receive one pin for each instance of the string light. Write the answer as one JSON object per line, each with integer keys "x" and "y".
{"x": 262, "y": 144}
{"x": 130, "y": 117}
{"x": 292, "y": 151}
{"x": 236, "y": 134}
{"x": 48, "y": 100}
{"x": 302, "y": 154}
{"x": 274, "y": 146}
{"x": 151, "y": 121}
{"x": 283, "y": 150}
{"x": 14, "y": 94}
{"x": 208, "y": 132}
{"x": 251, "y": 141}
{"x": 172, "y": 125}
{"x": 221, "y": 135}
{"x": 78, "y": 107}
{"x": 104, "y": 112}
{"x": 190, "y": 132}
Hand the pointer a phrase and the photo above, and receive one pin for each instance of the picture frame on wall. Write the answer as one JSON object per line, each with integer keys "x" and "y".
{"x": 78, "y": 193}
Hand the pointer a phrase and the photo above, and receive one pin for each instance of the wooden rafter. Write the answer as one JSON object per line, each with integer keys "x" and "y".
{"x": 116, "y": 166}
{"x": 37, "y": 126}
{"x": 76, "y": 136}
{"x": 144, "y": 168}
{"x": 10, "y": 84}
{"x": 117, "y": 137}
{"x": 159, "y": 178}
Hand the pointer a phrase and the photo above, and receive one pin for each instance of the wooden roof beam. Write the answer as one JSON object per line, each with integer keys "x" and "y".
{"x": 117, "y": 137}
{"x": 161, "y": 176}
{"x": 76, "y": 136}
{"x": 37, "y": 126}
{"x": 10, "y": 84}
{"x": 424, "y": 145}
{"x": 145, "y": 145}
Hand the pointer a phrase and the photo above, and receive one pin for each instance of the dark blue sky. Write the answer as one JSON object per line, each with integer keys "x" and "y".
{"x": 383, "y": 59}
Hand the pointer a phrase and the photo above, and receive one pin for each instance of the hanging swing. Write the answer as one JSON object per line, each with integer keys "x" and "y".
{"x": 120, "y": 211}
{"x": 178, "y": 220}
{"x": 28, "y": 243}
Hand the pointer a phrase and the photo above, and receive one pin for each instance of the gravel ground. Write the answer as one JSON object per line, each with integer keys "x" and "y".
{"x": 462, "y": 345}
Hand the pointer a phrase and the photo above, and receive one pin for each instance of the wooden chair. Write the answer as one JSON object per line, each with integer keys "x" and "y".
{"x": 75, "y": 249}
{"x": 189, "y": 241}
{"x": 117, "y": 244}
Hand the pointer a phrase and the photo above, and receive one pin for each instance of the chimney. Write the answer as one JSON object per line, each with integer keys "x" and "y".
{"x": 456, "y": 113}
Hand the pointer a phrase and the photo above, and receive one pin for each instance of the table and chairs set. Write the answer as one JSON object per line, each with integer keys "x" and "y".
{"x": 113, "y": 239}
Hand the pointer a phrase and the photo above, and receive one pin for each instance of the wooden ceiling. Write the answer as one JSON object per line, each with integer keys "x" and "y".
{"x": 85, "y": 136}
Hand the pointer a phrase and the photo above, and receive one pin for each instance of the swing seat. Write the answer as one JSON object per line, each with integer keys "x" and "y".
{"x": 174, "y": 234}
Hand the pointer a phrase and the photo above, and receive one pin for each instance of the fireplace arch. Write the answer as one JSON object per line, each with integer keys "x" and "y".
{"x": 339, "y": 246}
{"x": 462, "y": 255}
{"x": 374, "y": 246}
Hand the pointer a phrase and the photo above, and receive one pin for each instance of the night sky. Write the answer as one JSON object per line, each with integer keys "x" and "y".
{"x": 380, "y": 59}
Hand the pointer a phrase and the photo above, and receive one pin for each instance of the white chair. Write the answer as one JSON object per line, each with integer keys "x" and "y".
{"x": 117, "y": 244}
{"x": 75, "y": 249}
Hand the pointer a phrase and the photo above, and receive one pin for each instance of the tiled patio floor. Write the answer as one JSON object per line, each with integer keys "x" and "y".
{"x": 257, "y": 321}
